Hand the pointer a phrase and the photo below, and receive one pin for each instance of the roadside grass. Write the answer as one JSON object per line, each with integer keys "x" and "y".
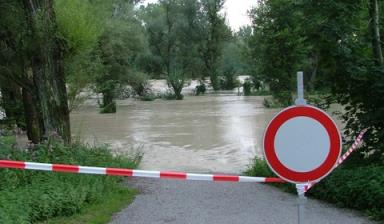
{"x": 28, "y": 196}
{"x": 101, "y": 212}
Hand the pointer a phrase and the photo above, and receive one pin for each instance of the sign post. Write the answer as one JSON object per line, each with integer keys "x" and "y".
{"x": 302, "y": 144}
{"x": 301, "y": 201}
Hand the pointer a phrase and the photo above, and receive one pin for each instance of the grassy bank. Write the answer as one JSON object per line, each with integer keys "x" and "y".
{"x": 356, "y": 187}
{"x": 35, "y": 196}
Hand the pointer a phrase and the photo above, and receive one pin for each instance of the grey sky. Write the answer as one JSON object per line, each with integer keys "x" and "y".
{"x": 236, "y": 11}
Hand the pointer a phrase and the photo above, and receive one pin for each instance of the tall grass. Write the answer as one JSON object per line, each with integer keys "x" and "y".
{"x": 32, "y": 196}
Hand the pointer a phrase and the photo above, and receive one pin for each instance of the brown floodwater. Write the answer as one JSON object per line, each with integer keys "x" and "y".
{"x": 215, "y": 133}
{"x": 197, "y": 134}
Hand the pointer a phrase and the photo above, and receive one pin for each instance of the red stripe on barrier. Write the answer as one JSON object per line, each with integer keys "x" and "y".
{"x": 12, "y": 164}
{"x": 65, "y": 168}
{"x": 119, "y": 172}
{"x": 173, "y": 175}
{"x": 274, "y": 180}
{"x": 225, "y": 178}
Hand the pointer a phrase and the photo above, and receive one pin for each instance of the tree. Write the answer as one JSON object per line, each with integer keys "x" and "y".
{"x": 277, "y": 46}
{"x": 169, "y": 41}
{"x": 213, "y": 31}
{"x": 48, "y": 68}
{"x": 37, "y": 68}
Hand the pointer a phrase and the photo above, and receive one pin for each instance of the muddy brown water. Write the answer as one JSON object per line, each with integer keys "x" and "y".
{"x": 198, "y": 134}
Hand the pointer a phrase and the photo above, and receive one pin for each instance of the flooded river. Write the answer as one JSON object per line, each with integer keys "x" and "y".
{"x": 199, "y": 134}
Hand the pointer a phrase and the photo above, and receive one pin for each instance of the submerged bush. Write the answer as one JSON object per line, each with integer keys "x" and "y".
{"x": 200, "y": 89}
{"x": 247, "y": 87}
{"x": 29, "y": 196}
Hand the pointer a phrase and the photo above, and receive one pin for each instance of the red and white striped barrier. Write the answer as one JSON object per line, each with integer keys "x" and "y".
{"x": 133, "y": 173}
{"x": 354, "y": 146}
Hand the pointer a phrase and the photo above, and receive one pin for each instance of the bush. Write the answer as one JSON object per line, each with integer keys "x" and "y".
{"x": 170, "y": 95}
{"x": 149, "y": 97}
{"x": 176, "y": 80}
{"x": 201, "y": 89}
{"x": 359, "y": 188}
{"x": 110, "y": 108}
{"x": 353, "y": 187}
{"x": 30, "y": 196}
{"x": 247, "y": 87}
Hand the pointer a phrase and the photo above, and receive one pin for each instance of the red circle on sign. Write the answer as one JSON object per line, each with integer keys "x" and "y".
{"x": 270, "y": 151}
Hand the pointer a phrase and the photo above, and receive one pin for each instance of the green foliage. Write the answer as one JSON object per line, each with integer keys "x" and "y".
{"x": 101, "y": 212}
{"x": 259, "y": 168}
{"x": 139, "y": 83}
{"x": 30, "y": 196}
{"x": 358, "y": 187}
{"x": 277, "y": 46}
{"x": 200, "y": 89}
{"x": 170, "y": 95}
{"x": 247, "y": 87}
{"x": 176, "y": 80}
{"x": 108, "y": 108}
{"x": 334, "y": 44}
{"x": 228, "y": 80}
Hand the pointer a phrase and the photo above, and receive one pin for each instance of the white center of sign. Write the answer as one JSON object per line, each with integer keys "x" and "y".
{"x": 302, "y": 144}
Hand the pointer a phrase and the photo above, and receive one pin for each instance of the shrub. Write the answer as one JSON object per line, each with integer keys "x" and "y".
{"x": 109, "y": 108}
{"x": 170, "y": 95}
{"x": 148, "y": 97}
{"x": 347, "y": 186}
{"x": 31, "y": 196}
{"x": 359, "y": 188}
{"x": 176, "y": 80}
{"x": 247, "y": 87}
{"x": 201, "y": 89}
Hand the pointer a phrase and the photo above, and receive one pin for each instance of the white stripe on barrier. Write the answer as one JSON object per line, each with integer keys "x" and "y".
{"x": 206, "y": 177}
{"x": 38, "y": 166}
{"x": 92, "y": 170}
{"x": 250, "y": 179}
{"x": 142, "y": 173}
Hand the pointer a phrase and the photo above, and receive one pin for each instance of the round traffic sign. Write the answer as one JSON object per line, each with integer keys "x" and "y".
{"x": 302, "y": 144}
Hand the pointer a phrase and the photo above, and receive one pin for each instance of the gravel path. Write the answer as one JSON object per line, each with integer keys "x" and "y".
{"x": 167, "y": 201}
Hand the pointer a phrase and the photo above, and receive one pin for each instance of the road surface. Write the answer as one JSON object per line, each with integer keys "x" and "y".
{"x": 173, "y": 202}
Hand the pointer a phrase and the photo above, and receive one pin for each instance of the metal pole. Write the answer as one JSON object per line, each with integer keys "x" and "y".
{"x": 301, "y": 200}
{"x": 300, "y": 89}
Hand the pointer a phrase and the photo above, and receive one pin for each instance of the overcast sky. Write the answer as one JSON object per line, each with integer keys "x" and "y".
{"x": 236, "y": 11}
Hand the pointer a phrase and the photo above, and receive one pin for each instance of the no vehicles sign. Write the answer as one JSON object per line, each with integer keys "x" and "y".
{"x": 302, "y": 144}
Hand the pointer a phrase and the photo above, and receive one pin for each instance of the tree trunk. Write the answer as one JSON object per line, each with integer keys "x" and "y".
{"x": 48, "y": 69}
{"x": 375, "y": 29}
{"x": 109, "y": 105}
{"x": 32, "y": 118}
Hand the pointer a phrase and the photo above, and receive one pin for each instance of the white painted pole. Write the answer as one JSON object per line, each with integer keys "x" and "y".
{"x": 301, "y": 201}
{"x": 300, "y": 89}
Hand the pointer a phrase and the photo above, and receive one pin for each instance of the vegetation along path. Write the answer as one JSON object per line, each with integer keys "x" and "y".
{"x": 167, "y": 201}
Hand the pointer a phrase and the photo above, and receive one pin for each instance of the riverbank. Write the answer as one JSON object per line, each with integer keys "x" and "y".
{"x": 32, "y": 196}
